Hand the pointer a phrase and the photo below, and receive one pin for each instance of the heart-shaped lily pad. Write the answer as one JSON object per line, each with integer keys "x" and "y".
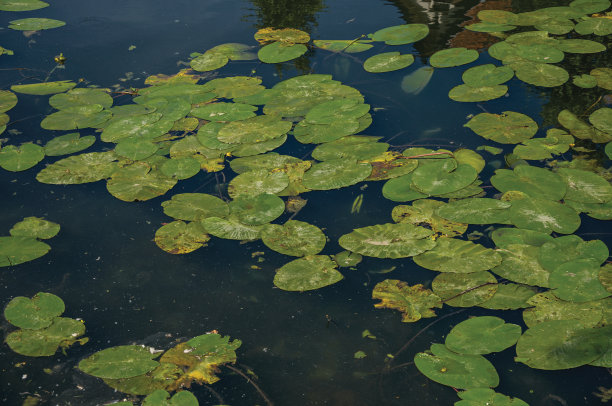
{"x": 179, "y": 237}
{"x": 307, "y": 273}
{"x": 295, "y": 238}
{"x": 482, "y": 335}
{"x": 453, "y": 255}
{"x": 35, "y": 313}
{"x": 387, "y": 62}
{"x": 63, "y": 332}
{"x": 506, "y": 128}
{"x": 415, "y": 302}
{"x": 123, "y": 361}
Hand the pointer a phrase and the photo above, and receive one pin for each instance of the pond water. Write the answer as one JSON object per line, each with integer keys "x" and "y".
{"x": 108, "y": 270}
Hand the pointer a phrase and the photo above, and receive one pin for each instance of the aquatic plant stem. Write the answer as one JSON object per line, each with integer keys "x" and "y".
{"x": 249, "y": 380}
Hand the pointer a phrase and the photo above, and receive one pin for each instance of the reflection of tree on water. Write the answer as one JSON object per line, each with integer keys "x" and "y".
{"x": 288, "y": 14}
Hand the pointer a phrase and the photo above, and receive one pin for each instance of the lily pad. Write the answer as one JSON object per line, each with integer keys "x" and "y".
{"x": 415, "y": 302}
{"x": 531, "y": 180}
{"x": 482, "y": 335}
{"x": 8, "y": 100}
{"x": 603, "y": 76}
{"x": 453, "y": 255}
{"x": 543, "y": 215}
{"x": 388, "y": 240}
{"x": 469, "y": 93}
{"x": 135, "y": 149}
{"x": 348, "y": 46}
{"x": 22, "y": 5}
{"x": 124, "y": 361}
{"x": 341, "y": 109}
{"x": 208, "y": 61}
{"x": 178, "y": 237}
{"x": 257, "y": 210}
{"x": 63, "y": 332}
{"x": 35, "y": 227}
{"x": 556, "y": 142}
{"x": 162, "y": 398}
{"x": 540, "y": 74}
{"x": 460, "y": 371}
{"x": 335, "y": 174}
{"x": 546, "y": 306}
{"x": 447, "y": 58}
{"x": 307, "y": 273}
{"x": 256, "y": 182}
{"x": 569, "y": 248}
{"x": 36, "y": 313}
{"x": 602, "y": 119}
{"x": 68, "y": 144}
{"x": 520, "y": 264}
{"x": 590, "y": 6}
{"x": 230, "y": 229}
{"x": 476, "y": 211}
{"x": 83, "y": 168}
{"x": 465, "y": 290}
{"x": 401, "y": 34}
{"x": 195, "y": 206}
{"x": 502, "y": 237}
{"x": 443, "y": 176}
{"x": 79, "y": 97}
{"x": 224, "y": 111}
{"x": 17, "y": 250}
{"x": 387, "y": 62}
{"x": 138, "y": 182}
{"x": 506, "y": 128}
{"x": 578, "y": 281}
{"x": 295, "y": 238}
{"x": 16, "y": 159}
{"x": 585, "y": 81}
{"x": 585, "y": 187}
{"x": 346, "y": 259}
{"x": 580, "y": 46}
{"x": 423, "y": 212}
{"x": 278, "y": 52}
{"x": 360, "y": 147}
{"x": 254, "y": 129}
{"x": 285, "y": 35}
{"x": 89, "y": 116}
{"x": 486, "y": 396}
{"x": 35, "y": 24}
{"x": 510, "y": 296}
{"x": 594, "y": 25}
{"x": 489, "y": 27}
{"x": 181, "y": 167}
{"x": 561, "y": 344}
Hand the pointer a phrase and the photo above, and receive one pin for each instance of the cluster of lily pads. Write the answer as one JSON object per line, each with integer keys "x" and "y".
{"x": 177, "y": 128}
{"x": 142, "y": 370}
{"x": 24, "y": 243}
{"x": 41, "y": 329}
{"x": 28, "y": 24}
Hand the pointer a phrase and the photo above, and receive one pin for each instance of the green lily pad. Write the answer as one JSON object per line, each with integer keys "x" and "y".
{"x": 360, "y": 147}
{"x": 181, "y": 168}
{"x": 561, "y": 344}
{"x": 35, "y": 24}
{"x": 482, "y": 335}
{"x": 602, "y": 119}
{"x": 165, "y": 375}
{"x": 135, "y": 149}
{"x": 230, "y": 229}
{"x": 469, "y": 93}
{"x": 447, "y": 58}
{"x": 540, "y": 74}
{"x": 83, "y": 168}
{"x": 580, "y": 46}
{"x": 510, "y": 296}
{"x": 531, "y": 180}
{"x": 387, "y": 62}
{"x": 335, "y": 174}
{"x": 399, "y": 189}
{"x": 208, "y": 61}
{"x": 138, "y": 182}
{"x": 571, "y": 247}
{"x": 578, "y": 281}
{"x": 89, "y": 116}
{"x": 8, "y": 100}
{"x": 340, "y": 45}
{"x": 502, "y": 237}
{"x": 594, "y": 25}
{"x": 147, "y": 126}
{"x": 486, "y": 396}
{"x": 35, "y": 227}
{"x": 543, "y": 215}
{"x": 307, "y": 133}
{"x": 254, "y": 129}
{"x": 124, "y": 361}
{"x": 257, "y": 210}
{"x": 585, "y": 81}
{"x": 489, "y": 27}
{"x": 498, "y": 16}
{"x": 388, "y": 240}
{"x": 16, "y": 159}
{"x": 278, "y": 52}
{"x": 162, "y": 398}
{"x": 224, "y": 111}
{"x": 546, "y": 306}
{"x": 195, "y": 206}
{"x": 346, "y": 259}
{"x": 341, "y": 109}
{"x": 68, "y": 144}
{"x": 605, "y": 276}
{"x": 35, "y": 313}
{"x": 295, "y": 238}
{"x": 465, "y": 290}
{"x": 460, "y": 371}
{"x": 506, "y": 128}
{"x": 236, "y": 86}
{"x": 307, "y": 273}
{"x": 476, "y": 211}
{"x": 603, "y": 76}
{"x": 520, "y": 264}
{"x": 556, "y": 142}
{"x": 63, "y": 332}
{"x": 415, "y": 302}
{"x": 401, "y": 34}
{"x": 179, "y": 237}
{"x": 443, "y": 176}
{"x": 17, "y": 250}
{"x": 585, "y": 187}
{"x": 580, "y": 129}
{"x": 22, "y": 5}
{"x": 599, "y": 211}
{"x": 423, "y": 212}
{"x": 256, "y": 182}
{"x": 79, "y": 97}
{"x": 453, "y": 255}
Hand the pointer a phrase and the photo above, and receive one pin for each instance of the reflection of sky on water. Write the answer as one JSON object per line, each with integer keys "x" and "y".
{"x": 109, "y": 272}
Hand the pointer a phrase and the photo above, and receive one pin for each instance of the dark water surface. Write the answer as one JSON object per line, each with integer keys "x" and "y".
{"x": 108, "y": 271}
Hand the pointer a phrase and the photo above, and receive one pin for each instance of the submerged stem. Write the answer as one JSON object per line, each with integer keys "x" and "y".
{"x": 249, "y": 380}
